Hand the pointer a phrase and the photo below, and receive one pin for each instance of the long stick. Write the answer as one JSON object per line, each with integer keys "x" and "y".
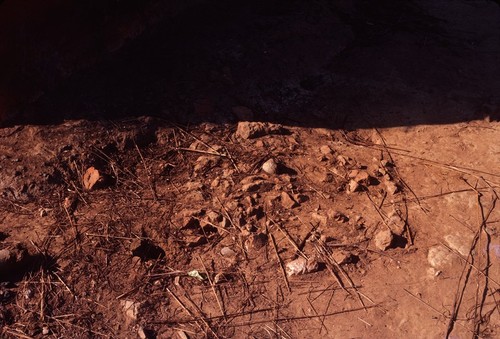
{"x": 283, "y": 272}
{"x": 191, "y": 313}
{"x": 212, "y": 285}
{"x": 289, "y": 238}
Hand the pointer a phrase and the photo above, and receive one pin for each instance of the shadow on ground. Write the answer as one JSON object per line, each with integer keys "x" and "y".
{"x": 349, "y": 64}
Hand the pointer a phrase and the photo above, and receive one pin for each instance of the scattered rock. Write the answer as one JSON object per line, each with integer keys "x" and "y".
{"x": 353, "y": 173}
{"x": 338, "y": 172}
{"x": 243, "y": 113}
{"x": 255, "y": 183}
{"x": 196, "y": 274}
{"x": 131, "y": 309}
{"x": 247, "y": 227}
{"x": 5, "y": 295}
{"x": 193, "y": 186}
{"x": 204, "y": 163}
{"x": 362, "y": 178}
{"x": 227, "y": 252}
{"x": 396, "y": 223}
{"x": 344, "y": 161}
{"x": 90, "y": 178}
{"x": 5, "y": 256}
{"x": 141, "y": 334}
{"x": 257, "y": 241}
{"x": 338, "y": 216}
{"x": 227, "y": 172}
{"x": 190, "y": 222}
{"x": 272, "y": 200}
{"x": 353, "y": 186}
{"x": 325, "y": 150}
{"x": 432, "y": 273}
{"x": 300, "y": 198}
{"x": 270, "y": 166}
{"x": 189, "y": 218}
{"x": 215, "y": 183}
{"x": 222, "y": 277}
{"x": 344, "y": 257}
{"x": 196, "y": 197}
{"x": 251, "y": 130}
{"x": 439, "y": 257}
{"x": 259, "y": 144}
{"x": 287, "y": 201}
{"x": 214, "y": 217}
{"x": 137, "y": 136}
{"x": 207, "y": 228}
{"x": 324, "y": 238}
{"x": 320, "y": 219}
{"x": 302, "y": 266}
{"x": 391, "y": 187}
{"x": 197, "y": 145}
{"x": 381, "y": 171}
{"x": 325, "y": 177}
{"x": 321, "y": 176}
{"x": 383, "y": 239}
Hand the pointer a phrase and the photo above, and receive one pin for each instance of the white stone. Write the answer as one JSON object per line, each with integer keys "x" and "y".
{"x": 131, "y": 309}
{"x": 439, "y": 257}
{"x": 270, "y": 166}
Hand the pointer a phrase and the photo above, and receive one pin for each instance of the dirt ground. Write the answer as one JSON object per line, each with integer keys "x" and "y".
{"x": 321, "y": 169}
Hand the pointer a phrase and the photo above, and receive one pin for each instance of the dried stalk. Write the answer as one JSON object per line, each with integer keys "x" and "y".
{"x": 283, "y": 272}
{"x": 212, "y": 285}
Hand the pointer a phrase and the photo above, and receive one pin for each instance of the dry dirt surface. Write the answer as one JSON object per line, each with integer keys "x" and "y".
{"x": 322, "y": 169}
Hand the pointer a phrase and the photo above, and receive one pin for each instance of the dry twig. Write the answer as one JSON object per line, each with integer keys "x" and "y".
{"x": 289, "y": 238}
{"x": 212, "y": 285}
{"x": 282, "y": 267}
{"x": 195, "y": 319}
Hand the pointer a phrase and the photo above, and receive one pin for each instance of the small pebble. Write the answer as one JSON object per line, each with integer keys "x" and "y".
{"x": 227, "y": 252}
{"x": 270, "y": 166}
{"x": 383, "y": 239}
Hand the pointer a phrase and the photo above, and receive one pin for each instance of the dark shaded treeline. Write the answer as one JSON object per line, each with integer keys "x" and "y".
{"x": 314, "y": 63}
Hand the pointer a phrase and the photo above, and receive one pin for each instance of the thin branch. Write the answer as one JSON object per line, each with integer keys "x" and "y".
{"x": 212, "y": 285}
{"x": 289, "y": 238}
{"x": 282, "y": 267}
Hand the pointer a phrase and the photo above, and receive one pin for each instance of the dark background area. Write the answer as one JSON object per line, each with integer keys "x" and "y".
{"x": 317, "y": 63}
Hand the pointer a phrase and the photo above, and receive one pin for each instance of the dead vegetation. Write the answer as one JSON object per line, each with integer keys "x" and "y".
{"x": 163, "y": 231}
